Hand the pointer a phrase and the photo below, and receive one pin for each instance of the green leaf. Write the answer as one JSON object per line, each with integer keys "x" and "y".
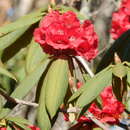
{"x": 128, "y": 104}
{"x": 77, "y": 94}
{"x": 34, "y": 57}
{"x": 26, "y": 85}
{"x": 29, "y": 81}
{"x": 18, "y": 119}
{"x": 5, "y": 72}
{"x": 24, "y": 127}
{"x": 128, "y": 75}
{"x": 97, "y": 129}
{"x": 94, "y": 87}
{"x": 80, "y": 90}
{"x": 119, "y": 70}
{"x": 56, "y": 86}
{"x": 42, "y": 116}
{"x": 3, "y": 112}
{"x": 23, "y": 21}
{"x": 10, "y": 38}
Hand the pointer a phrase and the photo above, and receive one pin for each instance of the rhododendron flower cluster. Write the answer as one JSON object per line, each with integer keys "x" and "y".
{"x": 111, "y": 108}
{"x": 121, "y": 19}
{"x": 63, "y": 34}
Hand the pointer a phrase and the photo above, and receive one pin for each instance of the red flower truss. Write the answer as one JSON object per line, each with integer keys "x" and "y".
{"x": 63, "y": 34}
{"x": 121, "y": 20}
{"x": 34, "y": 127}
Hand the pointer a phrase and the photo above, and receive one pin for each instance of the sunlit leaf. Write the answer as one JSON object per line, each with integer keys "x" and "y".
{"x": 24, "y": 127}
{"x": 29, "y": 81}
{"x": 56, "y": 86}
{"x": 119, "y": 70}
{"x": 128, "y": 75}
{"x": 34, "y": 57}
{"x": 94, "y": 87}
{"x": 5, "y": 72}
{"x": 10, "y": 38}
{"x": 42, "y": 116}
{"x": 18, "y": 119}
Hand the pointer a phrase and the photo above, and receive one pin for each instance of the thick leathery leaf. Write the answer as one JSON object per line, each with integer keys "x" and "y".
{"x": 94, "y": 87}
{"x": 77, "y": 94}
{"x": 119, "y": 70}
{"x": 5, "y": 72}
{"x": 10, "y": 38}
{"x": 24, "y": 127}
{"x": 128, "y": 104}
{"x": 26, "y": 85}
{"x": 82, "y": 89}
{"x": 29, "y": 81}
{"x": 56, "y": 85}
{"x": 18, "y": 119}
{"x": 42, "y": 116}
{"x": 26, "y": 20}
{"x": 34, "y": 57}
{"x": 128, "y": 75}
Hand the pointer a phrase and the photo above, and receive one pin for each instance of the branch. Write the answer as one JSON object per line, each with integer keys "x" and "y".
{"x": 69, "y": 110}
{"x": 17, "y": 101}
{"x": 83, "y": 62}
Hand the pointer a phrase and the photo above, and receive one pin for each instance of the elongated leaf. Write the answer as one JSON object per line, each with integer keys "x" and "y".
{"x": 56, "y": 85}
{"x": 42, "y": 116}
{"x": 18, "y": 119}
{"x": 34, "y": 57}
{"x": 128, "y": 104}
{"x": 83, "y": 88}
{"x": 94, "y": 87}
{"x": 22, "y": 126}
{"x": 7, "y": 73}
{"x": 26, "y": 85}
{"x": 4, "y": 112}
{"x": 119, "y": 70}
{"x": 10, "y": 38}
{"x": 77, "y": 94}
{"x": 23, "y": 21}
{"x": 128, "y": 75}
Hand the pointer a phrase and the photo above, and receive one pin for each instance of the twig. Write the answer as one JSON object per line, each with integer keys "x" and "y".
{"x": 17, "y": 101}
{"x": 83, "y": 62}
{"x": 69, "y": 110}
{"x": 26, "y": 103}
{"x": 100, "y": 124}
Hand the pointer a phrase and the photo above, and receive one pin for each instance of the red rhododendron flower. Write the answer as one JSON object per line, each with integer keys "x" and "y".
{"x": 3, "y": 128}
{"x": 121, "y": 19}
{"x": 126, "y": 6}
{"x": 110, "y": 105}
{"x": 34, "y": 127}
{"x": 63, "y": 34}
